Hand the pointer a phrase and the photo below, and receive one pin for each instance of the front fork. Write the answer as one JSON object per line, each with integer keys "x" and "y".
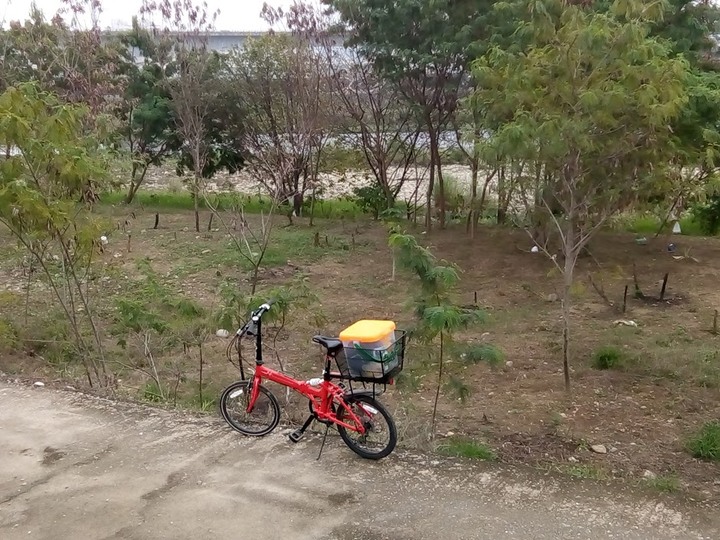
{"x": 254, "y": 391}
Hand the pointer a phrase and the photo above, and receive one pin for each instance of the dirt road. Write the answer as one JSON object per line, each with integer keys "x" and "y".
{"x": 75, "y": 467}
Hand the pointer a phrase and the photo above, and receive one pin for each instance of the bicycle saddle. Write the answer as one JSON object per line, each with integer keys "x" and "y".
{"x": 333, "y": 345}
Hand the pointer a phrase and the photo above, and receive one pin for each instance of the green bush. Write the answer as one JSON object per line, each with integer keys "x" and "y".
{"x": 708, "y": 216}
{"x": 706, "y": 443}
{"x": 476, "y": 353}
{"x": 371, "y": 199}
{"x": 608, "y": 357}
{"x": 8, "y": 335}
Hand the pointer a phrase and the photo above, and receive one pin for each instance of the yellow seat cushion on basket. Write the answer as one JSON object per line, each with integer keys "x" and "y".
{"x": 367, "y": 331}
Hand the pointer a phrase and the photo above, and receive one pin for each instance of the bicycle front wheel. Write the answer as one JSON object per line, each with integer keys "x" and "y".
{"x": 263, "y": 417}
{"x": 380, "y": 435}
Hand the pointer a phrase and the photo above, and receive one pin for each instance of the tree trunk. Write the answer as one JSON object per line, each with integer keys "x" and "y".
{"x": 502, "y": 193}
{"x": 435, "y": 159}
{"x": 472, "y": 222}
{"x": 385, "y": 184}
{"x": 439, "y": 382}
{"x": 196, "y": 197}
{"x": 135, "y": 183}
{"x": 570, "y": 252}
{"x": 429, "y": 194}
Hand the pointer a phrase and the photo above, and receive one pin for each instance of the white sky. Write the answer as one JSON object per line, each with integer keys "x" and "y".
{"x": 239, "y": 15}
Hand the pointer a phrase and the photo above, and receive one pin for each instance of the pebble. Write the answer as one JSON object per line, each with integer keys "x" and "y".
{"x": 599, "y": 448}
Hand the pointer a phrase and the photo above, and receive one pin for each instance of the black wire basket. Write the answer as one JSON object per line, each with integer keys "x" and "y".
{"x": 373, "y": 365}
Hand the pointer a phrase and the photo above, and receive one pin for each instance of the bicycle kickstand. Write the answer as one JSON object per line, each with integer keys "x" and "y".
{"x": 327, "y": 427}
{"x": 296, "y": 435}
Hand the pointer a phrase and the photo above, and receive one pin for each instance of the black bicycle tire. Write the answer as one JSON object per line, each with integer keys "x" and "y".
{"x": 248, "y": 384}
{"x": 385, "y": 414}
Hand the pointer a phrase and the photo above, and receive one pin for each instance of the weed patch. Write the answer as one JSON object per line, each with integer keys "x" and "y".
{"x": 467, "y": 448}
{"x": 705, "y": 444}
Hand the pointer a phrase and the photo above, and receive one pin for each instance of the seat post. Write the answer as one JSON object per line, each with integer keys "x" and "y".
{"x": 326, "y": 371}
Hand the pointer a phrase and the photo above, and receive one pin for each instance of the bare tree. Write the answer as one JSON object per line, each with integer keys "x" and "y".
{"x": 250, "y": 239}
{"x": 376, "y": 116}
{"x": 282, "y": 83}
{"x": 368, "y": 108}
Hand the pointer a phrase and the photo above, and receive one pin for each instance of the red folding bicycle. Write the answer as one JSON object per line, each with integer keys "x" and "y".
{"x": 364, "y": 423}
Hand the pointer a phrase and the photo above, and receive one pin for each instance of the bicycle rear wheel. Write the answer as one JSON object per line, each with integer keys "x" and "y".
{"x": 263, "y": 417}
{"x": 380, "y": 435}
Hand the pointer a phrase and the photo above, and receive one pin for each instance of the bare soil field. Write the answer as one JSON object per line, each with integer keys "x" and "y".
{"x": 643, "y": 412}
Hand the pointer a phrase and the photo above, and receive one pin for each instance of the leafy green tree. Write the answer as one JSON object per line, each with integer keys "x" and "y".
{"x": 64, "y": 57}
{"x": 148, "y": 125}
{"x": 590, "y": 99}
{"x": 201, "y": 117}
{"x": 40, "y": 189}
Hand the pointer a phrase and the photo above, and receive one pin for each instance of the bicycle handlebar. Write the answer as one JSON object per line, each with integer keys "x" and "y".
{"x": 255, "y": 317}
{"x": 262, "y": 310}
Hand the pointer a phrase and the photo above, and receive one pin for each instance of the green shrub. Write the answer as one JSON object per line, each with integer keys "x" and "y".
{"x": 708, "y": 215}
{"x": 476, "y": 353}
{"x": 8, "y": 335}
{"x": 371, "y": 199}
{"x": 706, "y": 443}
{"x": 152, "y": 393}
{"x": 608, "y": 357}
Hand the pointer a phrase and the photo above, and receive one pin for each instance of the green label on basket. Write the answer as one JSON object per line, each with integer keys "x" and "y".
{"x": 387, "y": 355}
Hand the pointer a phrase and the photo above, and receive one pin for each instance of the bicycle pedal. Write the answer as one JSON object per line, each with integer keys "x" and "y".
{"x": 295, "y": 436}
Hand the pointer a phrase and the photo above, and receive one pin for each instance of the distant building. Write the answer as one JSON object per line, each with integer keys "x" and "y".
{"x": 225, "y": 41}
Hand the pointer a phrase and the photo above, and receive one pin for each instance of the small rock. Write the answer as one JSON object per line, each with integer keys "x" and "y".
{"x": 552, "y": 297}
{"x": 534, "y": 249}
{"x": 449, "y": 434}
{"x": 572, "y": 459}
{"x": 509, "y": 363}
{"x": 649, "y": 475}
{"x": 222, "y": 333}
{"x": 613, "y": 449}
{"x": 39, "y": 384}
{"x": 599, "y": 448}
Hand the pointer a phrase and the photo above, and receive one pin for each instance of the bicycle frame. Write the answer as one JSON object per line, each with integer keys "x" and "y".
{"x": 322, "y": 397}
